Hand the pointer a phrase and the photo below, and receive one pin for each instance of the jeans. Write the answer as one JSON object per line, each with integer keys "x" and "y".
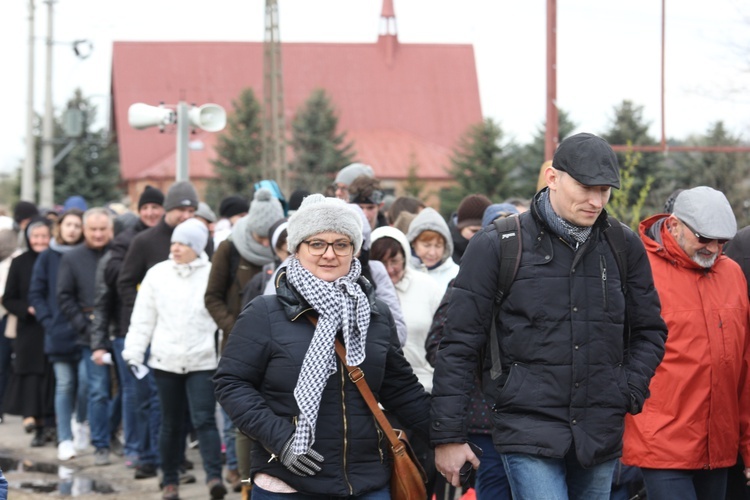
{"x": 491, "y": 482}
{"x": 533, "y": 477}
{"x": 193, "y": 391}
{"x": 148, "y": 415}
{"x": 3, "y": 487}
{"x": 6, "y": 350}
{"x": 99, "y": 385}
{"x": 230, "y": 436}
{"x": 68, "y": 396}
{"x": 261, "y": 494}
{"x": 129, "y": 399}
{"x": 685, "y": 484}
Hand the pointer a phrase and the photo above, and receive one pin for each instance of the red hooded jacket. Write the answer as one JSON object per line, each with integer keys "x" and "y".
{"x": 698, "y": 415}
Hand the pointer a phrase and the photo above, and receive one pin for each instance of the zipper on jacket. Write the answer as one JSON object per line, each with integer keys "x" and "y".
{"x": 343, "y": 371}
{"x": 303, "y": 312}
{"x": 380, "y": 442}
{"x": 603, "y": 269}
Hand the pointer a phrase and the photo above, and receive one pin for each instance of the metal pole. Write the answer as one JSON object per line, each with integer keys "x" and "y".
{"x": 552, "y": 126}
{"x": 47, "y": 180}
{"x": 663, "y": 75}
{"x": 183, "y": 127}
{"x": 28, "y": 179}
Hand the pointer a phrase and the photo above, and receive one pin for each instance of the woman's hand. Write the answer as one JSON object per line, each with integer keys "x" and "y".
{"x": 31, "y": 311}
{"x": 305, "y": 465}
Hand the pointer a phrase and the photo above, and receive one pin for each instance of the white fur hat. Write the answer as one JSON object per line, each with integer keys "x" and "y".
{"x": 318, "y": 214}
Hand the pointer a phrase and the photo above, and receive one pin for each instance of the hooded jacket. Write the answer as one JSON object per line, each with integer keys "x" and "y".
{"x": 170, "y": 315}
{"x": 255, "y": 384}
{"x": 430, "y": 220}
{"x": 419, "y": 297}
{"x": 567, "y": 378}
{"x": 698, "y": 415}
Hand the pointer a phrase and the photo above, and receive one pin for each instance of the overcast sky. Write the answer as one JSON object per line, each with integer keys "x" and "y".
{"x": 607, "y": 52}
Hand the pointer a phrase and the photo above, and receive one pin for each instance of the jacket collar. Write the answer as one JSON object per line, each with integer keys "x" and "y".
{"x": 295, "y": 305}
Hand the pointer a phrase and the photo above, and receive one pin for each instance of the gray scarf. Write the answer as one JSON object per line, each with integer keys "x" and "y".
{"x": 573, "y": 234}
{"x": 341, "y": 305}
{"x": 249, "y": 249}
{"x": 60, "y": 247}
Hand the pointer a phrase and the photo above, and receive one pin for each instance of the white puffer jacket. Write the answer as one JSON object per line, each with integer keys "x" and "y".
{"x": 420, "y": 297}
{"x": 170, "y": 315}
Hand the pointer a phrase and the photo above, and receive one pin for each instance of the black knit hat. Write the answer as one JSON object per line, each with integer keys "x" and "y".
{"x": 151, "y": 194}
{"x": 233, "y": 205}
{"x": 24, "y": 210}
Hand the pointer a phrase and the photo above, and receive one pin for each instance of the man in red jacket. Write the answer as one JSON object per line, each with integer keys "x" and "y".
{"x": 698, "y": 416}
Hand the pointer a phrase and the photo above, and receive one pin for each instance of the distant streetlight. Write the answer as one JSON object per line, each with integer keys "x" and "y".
{"x": 208, "y": 117}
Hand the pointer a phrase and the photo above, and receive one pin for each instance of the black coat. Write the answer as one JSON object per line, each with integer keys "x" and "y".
{"x": 566, "y": 380}
{"x": 255, "y": 383}
{"x": 75, "y": 288}
{"x": 29, "y": 343}
{"x": 147, "y": 248}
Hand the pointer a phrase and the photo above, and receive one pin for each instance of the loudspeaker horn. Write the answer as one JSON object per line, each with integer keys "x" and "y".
{"x": 142, "y": 116}
{"x": 209, "y": 117}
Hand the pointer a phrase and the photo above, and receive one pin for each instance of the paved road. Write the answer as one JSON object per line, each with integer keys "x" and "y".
{"x": 14, "y": 443}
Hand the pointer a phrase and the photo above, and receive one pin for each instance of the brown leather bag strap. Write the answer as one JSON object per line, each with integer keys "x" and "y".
{"x": 357, "y": 376}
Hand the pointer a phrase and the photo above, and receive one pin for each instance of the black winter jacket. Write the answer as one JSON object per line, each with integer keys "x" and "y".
{"x": 255, "y": 384}
{"x": 566, "y": 377}
{"x": 75, "y": 288}
{"x": 146, "y": 249}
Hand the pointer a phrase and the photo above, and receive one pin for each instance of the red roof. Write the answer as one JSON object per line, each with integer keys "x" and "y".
{"x": 413, "y": 103}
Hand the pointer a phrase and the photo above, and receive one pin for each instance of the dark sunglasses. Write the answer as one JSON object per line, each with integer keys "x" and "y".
{"x": 702, "y": 239}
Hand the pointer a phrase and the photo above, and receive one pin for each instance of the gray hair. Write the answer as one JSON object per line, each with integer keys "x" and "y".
{"x": 98, "y": 211}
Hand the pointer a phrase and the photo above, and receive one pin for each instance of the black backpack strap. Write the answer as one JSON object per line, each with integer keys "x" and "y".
{"x": 509, "y": 238}
{"x": 615, "y": 235}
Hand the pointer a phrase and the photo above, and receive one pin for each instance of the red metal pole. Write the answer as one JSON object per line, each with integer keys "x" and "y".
{"x": 552, "y": 126}
{"x": 663, "y": 75}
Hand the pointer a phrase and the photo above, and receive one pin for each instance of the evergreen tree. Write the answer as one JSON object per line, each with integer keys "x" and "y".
{"x": 240, "y": 151}
{"x": 413, "y": 185}
{"x": 629, "y": 127}
{"x": 531, "y": 157}
{"x": 319, "y": 150}
{"x": 92, "y": 168}
{"x": 481, "y": 164}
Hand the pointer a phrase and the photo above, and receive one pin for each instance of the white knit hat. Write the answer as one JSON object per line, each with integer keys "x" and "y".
{"x": 318, "y": 214}
{"x": 192, "y": 233}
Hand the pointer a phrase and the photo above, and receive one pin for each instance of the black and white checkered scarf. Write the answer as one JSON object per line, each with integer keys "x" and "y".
{"x": 341, "y": 305}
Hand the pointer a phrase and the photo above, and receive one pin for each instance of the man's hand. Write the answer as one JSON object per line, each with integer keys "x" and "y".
{"x": 449, "y": 458}
{"x": 97, "y": 356}
{"x": 747, "y": 474}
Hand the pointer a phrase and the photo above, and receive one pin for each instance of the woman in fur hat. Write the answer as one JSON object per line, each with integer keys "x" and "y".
{"x": 281, "y": 383}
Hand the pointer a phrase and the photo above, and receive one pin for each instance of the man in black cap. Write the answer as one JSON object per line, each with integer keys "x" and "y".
{"x": 564, "y": 376}
{"x": 231, "y": 209}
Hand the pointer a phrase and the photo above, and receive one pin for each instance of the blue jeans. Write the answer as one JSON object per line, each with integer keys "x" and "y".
{"x": 99, "y": 385}
{"x": 491, "y": 482}
{"x": 533, "y": 477}
{"x": 177, "y": 393}
{"x": 230, "y": 436}
{"x": 685, "y": 484}
{"x": 148, "y": 414}
{"x": 261, "y": 494}
{"x": 69, "y": 396}
{"x": 129, "y": 399}
{"x": 3, "y": 487}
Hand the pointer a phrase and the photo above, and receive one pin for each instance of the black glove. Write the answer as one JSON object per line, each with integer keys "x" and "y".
{"x": 307, "y": 464}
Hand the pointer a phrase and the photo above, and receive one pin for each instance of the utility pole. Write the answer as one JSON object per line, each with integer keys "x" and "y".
{"x": 28, "y": 177}
{"x": 47, "y": 178}
{"x": 551, "y": 134}
{"x": 274, "y": 144}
